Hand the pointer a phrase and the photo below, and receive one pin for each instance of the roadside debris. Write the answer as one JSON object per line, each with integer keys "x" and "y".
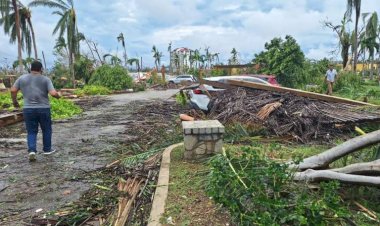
{"x": 288, "y": 114}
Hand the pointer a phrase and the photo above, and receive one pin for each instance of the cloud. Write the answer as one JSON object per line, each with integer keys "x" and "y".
{"x": 219, "y": 24}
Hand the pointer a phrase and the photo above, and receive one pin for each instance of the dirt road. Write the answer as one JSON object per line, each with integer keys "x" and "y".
{"x": 83, "y": 144}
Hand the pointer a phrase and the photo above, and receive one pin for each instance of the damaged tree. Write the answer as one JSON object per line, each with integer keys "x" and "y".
{"x": 316, "y": 168}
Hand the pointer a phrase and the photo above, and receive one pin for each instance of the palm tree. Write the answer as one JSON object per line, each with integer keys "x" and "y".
{"x": 234, "y": 57}
{"x": 215, "y": 57}
{"x": 26, "y": 26}
{"x": 135, "y": 61}
{"x": 351, "y": 5}
{"x": 157, "y": 56}
{"x": 208, "y": 57}
{"x": 114, "y": 60}
{"x": 121, "y": 39}
{"x": 344, "y": 38}
{"x": 66, "y": 24}
{"x": 170, "y": 57}
{"x": 177, "y": 63}
{"x": 6, "y": 8}
{"x": 369, "y": 37}
{"x": 196, "y": 58}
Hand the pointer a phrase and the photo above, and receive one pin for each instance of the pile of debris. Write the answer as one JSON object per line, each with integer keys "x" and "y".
{"x": 288, "y": 114}
{"x": 153, "y": 124}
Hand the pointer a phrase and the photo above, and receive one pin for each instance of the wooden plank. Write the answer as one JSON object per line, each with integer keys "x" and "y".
{"x": 10, "y": 119}
{"x": 295, "y": 92}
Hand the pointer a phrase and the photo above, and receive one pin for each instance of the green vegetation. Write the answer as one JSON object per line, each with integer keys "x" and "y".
{"x": 258, "y": 189}
{"x": 351, "y": 86}
{"x": 113, "y": 77}
{"x": 181, "y": 99}
{"x": 92, "y": 90}
{"x": 60, "y": 108}
{"x": 283, "y": 58}
{"x": 6, "y": 101}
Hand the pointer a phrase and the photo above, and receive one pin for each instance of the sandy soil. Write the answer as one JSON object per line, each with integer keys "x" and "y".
{"x": 83, "y": 144}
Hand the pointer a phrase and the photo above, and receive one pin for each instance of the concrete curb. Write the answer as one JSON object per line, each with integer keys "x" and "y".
{"x": 159, "y": 200}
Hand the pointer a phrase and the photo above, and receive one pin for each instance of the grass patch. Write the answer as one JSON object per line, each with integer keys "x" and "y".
{"x": 187, "y": 202}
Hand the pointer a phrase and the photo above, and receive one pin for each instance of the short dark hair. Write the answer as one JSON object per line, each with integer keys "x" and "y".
{"x": 36, "y": 66}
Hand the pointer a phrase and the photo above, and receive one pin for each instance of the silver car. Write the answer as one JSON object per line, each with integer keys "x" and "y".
{"x": 182, "y": 78}
{"x": 198, "y": 98}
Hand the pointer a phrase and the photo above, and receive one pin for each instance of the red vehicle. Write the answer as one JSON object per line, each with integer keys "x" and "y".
{"x": 269, "y": 78}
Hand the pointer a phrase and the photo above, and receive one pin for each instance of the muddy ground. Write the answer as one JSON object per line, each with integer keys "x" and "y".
{"x": 84, "y": 143}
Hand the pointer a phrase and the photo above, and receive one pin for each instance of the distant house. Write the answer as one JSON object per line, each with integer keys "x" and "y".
{"x": 180, "y": 59}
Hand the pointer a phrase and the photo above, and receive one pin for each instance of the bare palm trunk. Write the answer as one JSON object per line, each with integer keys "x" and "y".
{"x": 356, "y": 37}
{"x": 33, "y": 39}
{"x": 372, "y": 67}
{"x": 72, "y": 72}
{"x": 18, "y": 33}
{"x": 125, "y": 56}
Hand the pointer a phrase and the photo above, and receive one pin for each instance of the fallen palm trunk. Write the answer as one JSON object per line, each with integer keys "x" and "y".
{"x": 324, "y": 159}
{"x": 311, "y": 175}
{"x": 359, "y": 173}
{"x": 367, "y": 168}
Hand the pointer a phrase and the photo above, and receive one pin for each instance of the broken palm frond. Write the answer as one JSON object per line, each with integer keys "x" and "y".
{"x": 133, "y": 160}
{"x": 265, "y": 111}
{"x": 288, "y": 114}
{"x": 130, "y": 188}
{"x": 369, "y": 212}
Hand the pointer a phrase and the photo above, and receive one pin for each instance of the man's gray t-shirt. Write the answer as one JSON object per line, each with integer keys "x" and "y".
{"x": 35, "y": 89}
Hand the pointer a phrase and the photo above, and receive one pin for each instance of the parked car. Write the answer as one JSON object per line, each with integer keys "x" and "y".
{"x": 269, "y": 78}
{"x": 182, "y": 78}
{"x": 198, "y": 98}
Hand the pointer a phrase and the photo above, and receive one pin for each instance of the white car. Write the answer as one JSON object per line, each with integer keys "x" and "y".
{"x": 199, "y": 100}
{"x": 182, "y": 78}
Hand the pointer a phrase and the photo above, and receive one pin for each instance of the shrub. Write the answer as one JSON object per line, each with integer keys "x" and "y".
{"x": 348, "y": 80}
{"x": 260, "y": 191}
{"x": 181, "y": 99}
{"x": 138, "y": 87}
{"x": 112, "y": 77}
{"x": 62, "y": 108}
{"x": 92, "y": 90}
{"x": 218, "y": 72}
{"x": 6, "y": 101}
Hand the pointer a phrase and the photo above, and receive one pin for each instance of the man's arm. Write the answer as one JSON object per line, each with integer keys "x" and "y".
{"x": 55, "y": 94}
{"x": 14, "y": 92}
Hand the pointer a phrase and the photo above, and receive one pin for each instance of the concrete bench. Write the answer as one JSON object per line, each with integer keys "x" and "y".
{"x": 202, "y": 138}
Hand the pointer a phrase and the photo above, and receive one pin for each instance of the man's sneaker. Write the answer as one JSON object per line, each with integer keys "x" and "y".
{"x": 49, "y": 152}
{"x": 32, "y": 156}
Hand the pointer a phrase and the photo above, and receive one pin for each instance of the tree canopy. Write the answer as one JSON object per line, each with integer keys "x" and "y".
{"x": 283, "y": 58}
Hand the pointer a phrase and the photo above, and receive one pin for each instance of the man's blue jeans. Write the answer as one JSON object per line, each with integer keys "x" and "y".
{"x": 35, "y": 117}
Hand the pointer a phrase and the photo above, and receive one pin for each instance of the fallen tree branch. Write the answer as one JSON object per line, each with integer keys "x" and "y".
{"x": 369, "y": 212}
{"x": 367, "y": 168}
{"x": 322, "y": 160}
{"x": 311, "y": 175}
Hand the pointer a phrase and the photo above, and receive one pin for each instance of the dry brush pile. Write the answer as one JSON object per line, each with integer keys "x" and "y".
{"x": 288, "y": 114}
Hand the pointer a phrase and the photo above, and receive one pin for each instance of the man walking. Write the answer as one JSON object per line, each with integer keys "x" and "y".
{"x": 35, "y": 89}
{"x": 330, "y": 79}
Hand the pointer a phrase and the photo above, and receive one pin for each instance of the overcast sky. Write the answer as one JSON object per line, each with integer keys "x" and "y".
{"x": 219, "y": 24}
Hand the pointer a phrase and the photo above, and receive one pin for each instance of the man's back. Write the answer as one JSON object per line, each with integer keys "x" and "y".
{"x": 35, "y": 89}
